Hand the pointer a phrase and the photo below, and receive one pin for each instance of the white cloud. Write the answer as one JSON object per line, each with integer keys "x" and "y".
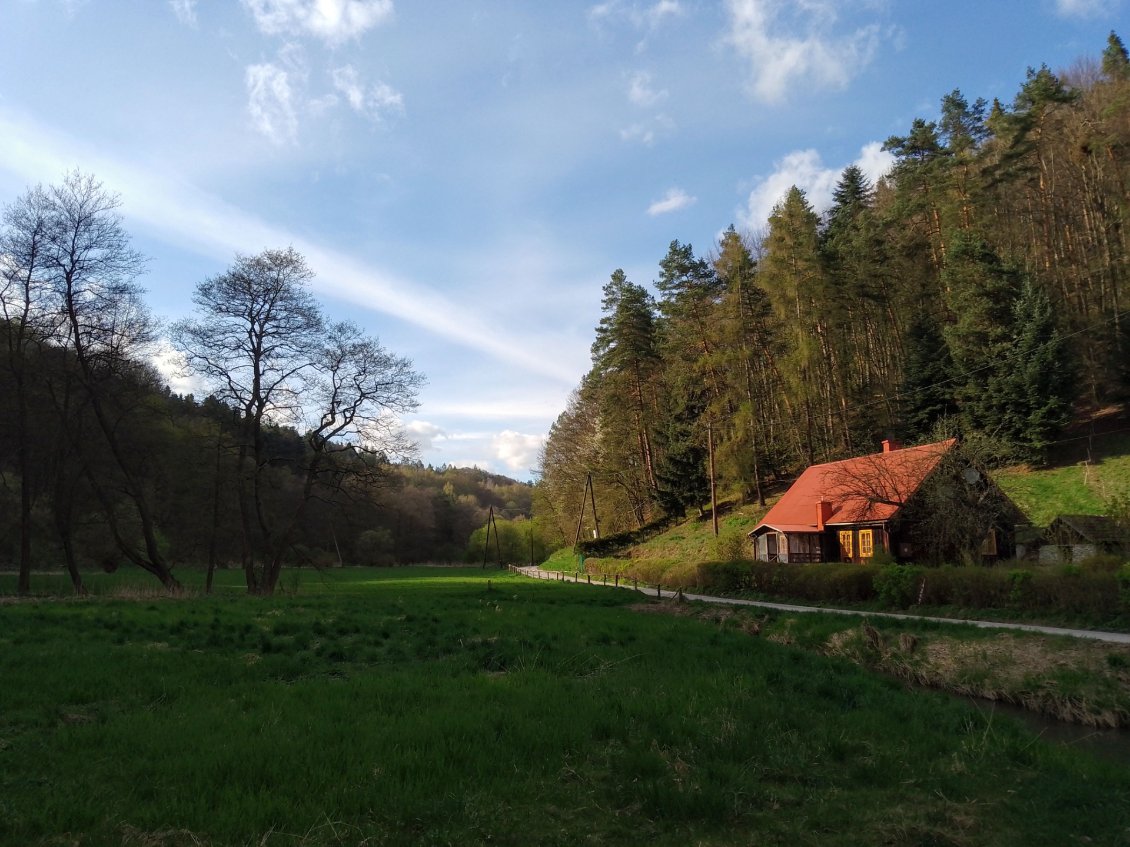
{"x": 516, "y": 450}
{"x": 782, "y": 61}
{"x": 425, "y": 435}
{"x": 1085, "y": 8}
{"x": 333, "y": 21}
{"x": 374, "y": 102}
{"x": 270, "y": 102}
{"x": 640, "y": 91}
{"x": 170, "y": 364}
{"x": 185, "y": 10}
{"x": 674, "y": 200}
{"x": 805, "y": 169}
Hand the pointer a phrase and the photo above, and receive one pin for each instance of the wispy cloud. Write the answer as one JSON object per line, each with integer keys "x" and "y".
{"x": 641, "y": 92}
{"x": 806, "y": 170}
{"x": 640, "y": 15}
{"x": 333, "y": 21}
{"x": 270, "y": 102}
{"x": 1086, "y": 8}
{"x": 674, "y": 200}
{"x": 375, "y": 102}
{"x": 808, "y": 54}
{"x": 185, "y": 216}
{"x": 647, "y": 131}
{"x": 185, "y": 10}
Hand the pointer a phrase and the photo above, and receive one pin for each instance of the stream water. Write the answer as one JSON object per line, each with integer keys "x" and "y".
{"x": 1112, "y": 745}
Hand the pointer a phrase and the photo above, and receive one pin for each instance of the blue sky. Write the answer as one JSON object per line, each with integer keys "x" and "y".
{"x": 465, "y": 176}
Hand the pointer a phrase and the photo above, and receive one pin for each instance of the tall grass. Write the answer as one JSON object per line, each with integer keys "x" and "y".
{"x": 435, "y": 707}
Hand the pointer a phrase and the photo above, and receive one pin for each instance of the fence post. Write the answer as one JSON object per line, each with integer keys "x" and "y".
{"x": 588, "y": 578}
{"x": 659, "y": 591}
{"x": 617, "y": 583}
{"x": 635, "y": 584}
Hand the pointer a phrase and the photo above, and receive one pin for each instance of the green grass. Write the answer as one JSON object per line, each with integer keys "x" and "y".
{"x": 420, "y": 706}
{"x": 1076, "y": 484}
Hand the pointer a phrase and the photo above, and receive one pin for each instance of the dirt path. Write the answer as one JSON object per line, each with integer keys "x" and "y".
{"x": 1097, "y": 635}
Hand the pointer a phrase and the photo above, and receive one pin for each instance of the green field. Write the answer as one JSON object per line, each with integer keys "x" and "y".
{"x": 427, "y": 706}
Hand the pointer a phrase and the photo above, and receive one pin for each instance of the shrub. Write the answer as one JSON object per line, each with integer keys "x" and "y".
{"x": 1019, "y": 581}
{"x": 1123, "y": 579}
{"x": 728, "y": 576}
{"x": 730, "y": 547}
{"x": 1102, "y": 563}
{"x": 897, "y": 586}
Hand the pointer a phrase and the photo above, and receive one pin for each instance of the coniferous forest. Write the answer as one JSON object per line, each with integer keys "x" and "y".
{"x": 982, "y": 286}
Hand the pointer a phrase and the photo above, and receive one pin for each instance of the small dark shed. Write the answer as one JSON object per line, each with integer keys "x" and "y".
{"x": 1072, "y": 538}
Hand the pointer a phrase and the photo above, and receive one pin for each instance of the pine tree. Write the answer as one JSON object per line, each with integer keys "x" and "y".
{"x": 681, "y": 471}
{"x": 927, "y": 390}
{"x": 1033, "y": 389}
{"x": 792, "y": 274}
{"x": 1116, "y": 61}
{"x": 981, "y": 291}
{"x": 626, "y": 358}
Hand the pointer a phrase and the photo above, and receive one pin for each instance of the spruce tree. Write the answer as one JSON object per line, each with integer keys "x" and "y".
{"x": 1033, "y": 389}
{"x": 1116, "y": 62}
{"x": 927, "y": 391}
{"x": 681, "y": 470}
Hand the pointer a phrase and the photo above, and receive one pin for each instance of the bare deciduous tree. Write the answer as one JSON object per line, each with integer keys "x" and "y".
{"x": 261, "y": 342}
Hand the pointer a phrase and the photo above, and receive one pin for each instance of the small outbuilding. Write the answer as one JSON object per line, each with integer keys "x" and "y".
{"x": 1073, "y": 538}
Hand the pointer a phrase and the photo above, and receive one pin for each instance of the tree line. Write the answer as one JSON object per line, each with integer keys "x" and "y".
{"x": 295, "y": 455}
{"x": 980, "y": 286}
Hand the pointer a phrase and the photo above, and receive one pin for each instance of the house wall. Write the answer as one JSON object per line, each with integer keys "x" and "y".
{"x": 1057, "y": 554}
{"x": 835, "y": 550}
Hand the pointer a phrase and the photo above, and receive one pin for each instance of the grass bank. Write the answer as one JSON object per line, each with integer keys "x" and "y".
{"x": 1068, "y": 679}
{"x": 432, "y": 707}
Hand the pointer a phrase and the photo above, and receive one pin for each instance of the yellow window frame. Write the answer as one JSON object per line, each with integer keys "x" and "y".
{"x": 866, "y": 543}
{"x": 845, "y": 542}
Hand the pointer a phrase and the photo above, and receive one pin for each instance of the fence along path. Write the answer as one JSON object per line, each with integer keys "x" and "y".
{"x": 659, "y": 592}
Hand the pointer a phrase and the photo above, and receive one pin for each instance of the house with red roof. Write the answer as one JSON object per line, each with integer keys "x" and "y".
{"x": 848, "y": 511}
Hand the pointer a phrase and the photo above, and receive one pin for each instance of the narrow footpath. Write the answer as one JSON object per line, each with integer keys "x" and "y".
{"x": 658, "y": 592}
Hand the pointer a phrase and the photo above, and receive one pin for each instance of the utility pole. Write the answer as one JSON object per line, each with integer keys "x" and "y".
{"x": 713, "y": 489}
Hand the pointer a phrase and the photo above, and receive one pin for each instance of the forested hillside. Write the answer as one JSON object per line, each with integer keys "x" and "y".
{"x": 296, "y": 456}
{"x": 982, "y": 285}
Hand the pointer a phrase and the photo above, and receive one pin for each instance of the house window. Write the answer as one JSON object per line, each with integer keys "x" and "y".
{"x": 866, "y": 543}
{"x": 845, "y": 544}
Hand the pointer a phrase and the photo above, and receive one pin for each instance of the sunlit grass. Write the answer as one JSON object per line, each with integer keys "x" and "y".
{"x": 425, "y": 706}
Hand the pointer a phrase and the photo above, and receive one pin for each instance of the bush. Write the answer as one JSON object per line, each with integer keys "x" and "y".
{"x": 1019, "y": 581}
{"x": 730, "y": 547}
{"x": 1123, "y": 580}
{"x": 1102, "y": 563}
{"x": 727, "y": 577}
{"x": 897, "y": 586}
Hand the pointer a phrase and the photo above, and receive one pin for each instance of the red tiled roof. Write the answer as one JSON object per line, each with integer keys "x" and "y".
{"x": 867, "y": 489}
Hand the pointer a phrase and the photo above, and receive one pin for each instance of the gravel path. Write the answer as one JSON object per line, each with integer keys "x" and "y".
{"x": 1096, "y": 635}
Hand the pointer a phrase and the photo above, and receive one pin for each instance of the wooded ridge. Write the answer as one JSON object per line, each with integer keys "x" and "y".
{"x": 979, "y": 287}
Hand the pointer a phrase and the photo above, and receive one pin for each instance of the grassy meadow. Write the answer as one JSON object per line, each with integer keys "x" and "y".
{"x": 437, "y": 706}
